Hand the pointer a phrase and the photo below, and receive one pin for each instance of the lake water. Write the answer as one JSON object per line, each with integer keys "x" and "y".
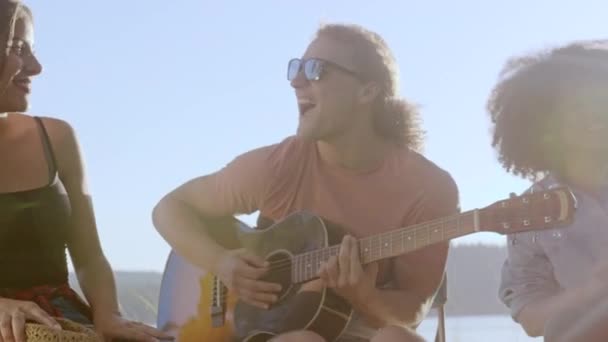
{"x": 477, "y": 329}
{"x": 473, "y": 329}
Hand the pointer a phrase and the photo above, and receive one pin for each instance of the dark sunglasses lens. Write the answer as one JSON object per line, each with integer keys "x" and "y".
{"x": 312, "y": 69}
{"x": 293, "y": 68}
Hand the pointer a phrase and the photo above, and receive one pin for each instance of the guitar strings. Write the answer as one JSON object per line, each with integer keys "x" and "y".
{"x": 326, "y": 252}
{"x": 276, "y": 265}
{"x": 287, "y": 263}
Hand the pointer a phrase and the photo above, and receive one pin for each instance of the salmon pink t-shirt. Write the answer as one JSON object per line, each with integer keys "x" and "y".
{"x": 290, "y": 176}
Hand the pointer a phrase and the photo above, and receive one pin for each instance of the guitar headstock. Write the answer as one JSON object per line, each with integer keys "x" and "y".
{"x": 533, "y": 211}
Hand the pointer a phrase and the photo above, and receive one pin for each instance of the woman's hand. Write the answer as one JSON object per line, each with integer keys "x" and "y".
{"x": 14, "y": 313}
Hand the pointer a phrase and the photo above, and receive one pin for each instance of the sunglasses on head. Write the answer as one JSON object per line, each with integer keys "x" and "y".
{"x": 313, "y": 68}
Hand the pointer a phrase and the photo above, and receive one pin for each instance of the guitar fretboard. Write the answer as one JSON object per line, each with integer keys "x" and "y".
{"x": 305, "y": 266}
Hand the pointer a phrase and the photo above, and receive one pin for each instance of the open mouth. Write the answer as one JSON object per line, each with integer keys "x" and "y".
{"x": 305, "y": 107}
{"x": 23, "y": 85}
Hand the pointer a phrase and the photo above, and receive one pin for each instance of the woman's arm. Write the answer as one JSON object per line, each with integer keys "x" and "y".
{"x": 92, "y": 268}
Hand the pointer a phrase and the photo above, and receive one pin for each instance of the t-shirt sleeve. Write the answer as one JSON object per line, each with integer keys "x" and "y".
{"x": 441, "y": 201}
{"x": 526, "y": 274}
{"x": 422, "y": 270}
{"x": 240, "y": 187}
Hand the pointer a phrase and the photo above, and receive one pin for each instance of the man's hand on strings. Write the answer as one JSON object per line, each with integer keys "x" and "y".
{"x": 240, "y": 271}
{"x": 346, "y": 275}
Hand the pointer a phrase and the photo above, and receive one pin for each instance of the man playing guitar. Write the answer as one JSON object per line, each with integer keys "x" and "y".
{"x": 353, "y": 161}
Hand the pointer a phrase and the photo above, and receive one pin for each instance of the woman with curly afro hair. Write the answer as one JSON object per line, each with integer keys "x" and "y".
{"x": 550, "y": 124}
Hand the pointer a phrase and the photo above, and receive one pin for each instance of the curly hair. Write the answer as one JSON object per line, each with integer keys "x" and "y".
{"x": 523, "y": 105}
{"x": 395, "y": 118}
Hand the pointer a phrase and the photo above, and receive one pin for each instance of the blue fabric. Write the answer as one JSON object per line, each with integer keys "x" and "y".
{"x": 541, "y": 264}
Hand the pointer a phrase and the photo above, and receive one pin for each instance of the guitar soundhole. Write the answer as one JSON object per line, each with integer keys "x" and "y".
{"x": 280, "y": 272}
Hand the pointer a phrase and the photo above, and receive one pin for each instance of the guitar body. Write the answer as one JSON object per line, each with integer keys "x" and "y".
{"x": 185, "y": 303}
{"x": 188, "y": 312}
{"x": 195, "y": 305}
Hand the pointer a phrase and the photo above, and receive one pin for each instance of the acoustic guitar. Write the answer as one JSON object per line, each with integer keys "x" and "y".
{"x": 196, "y": 306}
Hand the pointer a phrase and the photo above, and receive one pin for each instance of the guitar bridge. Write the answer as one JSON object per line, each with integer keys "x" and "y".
{"x": 217, "y": 316}
{"x": 218, "y": 303}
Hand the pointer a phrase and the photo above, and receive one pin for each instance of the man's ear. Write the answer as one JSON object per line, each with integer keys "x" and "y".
{"x": 368, "y": 92}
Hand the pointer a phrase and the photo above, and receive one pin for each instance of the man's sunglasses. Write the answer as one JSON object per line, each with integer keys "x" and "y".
{"x": 313, "y": 68}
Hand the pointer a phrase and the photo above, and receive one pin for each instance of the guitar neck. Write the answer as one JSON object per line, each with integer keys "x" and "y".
{"x": 305, "y": 266}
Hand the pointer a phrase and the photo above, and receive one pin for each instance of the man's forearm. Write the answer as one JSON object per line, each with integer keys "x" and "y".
{"x": 392, "y": 307}
{"x": 184, "y": 230}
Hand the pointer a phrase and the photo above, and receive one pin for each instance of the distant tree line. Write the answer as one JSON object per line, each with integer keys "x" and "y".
{"x": 473, "y": 277}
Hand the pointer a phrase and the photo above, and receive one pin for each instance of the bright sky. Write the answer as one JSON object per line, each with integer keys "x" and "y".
{"x": 163, "y": 91}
